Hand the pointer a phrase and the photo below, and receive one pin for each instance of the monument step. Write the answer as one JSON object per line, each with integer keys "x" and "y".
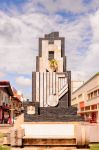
{"x": 54, "y": 118}
{"x": 48, "y": 142}
{"x": 49, "y": 134}
{"x": 58, "y": 110}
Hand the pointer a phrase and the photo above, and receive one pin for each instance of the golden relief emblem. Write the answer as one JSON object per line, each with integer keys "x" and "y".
{"x": 53, "y": 65}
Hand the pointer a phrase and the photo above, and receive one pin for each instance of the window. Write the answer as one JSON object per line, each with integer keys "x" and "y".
{"x": 80, "y": 96}
{"x": 51, "y": 55}
{"x": 51, "y": 41}
{"x": 92, "y": 95}
{"x": 87, "y": 108}
{"x": 98, "y": 92}
{"x": 74, "y": 99}
{"x": 82, "y": 109}
{"x": 94, "y": 106}
{"x": 89, "y": 96}
{"x": 95, "y": 93}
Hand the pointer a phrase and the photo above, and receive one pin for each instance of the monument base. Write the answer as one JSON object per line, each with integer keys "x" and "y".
{"x": 49, "y": 133}
{"x": 55, "y": 133}
{"x": 51, "y": 114}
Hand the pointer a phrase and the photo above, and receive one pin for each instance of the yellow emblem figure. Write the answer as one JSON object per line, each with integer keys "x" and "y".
{"x": 53, "y": 64}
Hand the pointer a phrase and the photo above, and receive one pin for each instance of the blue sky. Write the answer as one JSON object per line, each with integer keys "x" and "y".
{"x": 22, "y": 22}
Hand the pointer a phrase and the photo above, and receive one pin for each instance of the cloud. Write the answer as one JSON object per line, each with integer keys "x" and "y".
{"x": 19, "y": 38}
{"x": 66, "y": 6}
{"x": 91, "y": 61}
{"x": 2, "y": 74}
{"x": 54, "y": 6}
{"x": 20, "y": 30}
{"x": 22, "y": 81}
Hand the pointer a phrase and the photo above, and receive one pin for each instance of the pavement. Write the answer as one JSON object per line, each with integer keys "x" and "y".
{"x": 47, "y": 148}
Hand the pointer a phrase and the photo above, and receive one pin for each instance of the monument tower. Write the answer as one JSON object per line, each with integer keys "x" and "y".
{"x": 51, "y": 83}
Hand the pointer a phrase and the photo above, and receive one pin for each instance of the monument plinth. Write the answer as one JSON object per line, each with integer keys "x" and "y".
{"x": 51, "y": 84}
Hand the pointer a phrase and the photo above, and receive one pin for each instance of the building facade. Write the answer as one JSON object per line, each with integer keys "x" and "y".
{"x": 6, "y": 94}
{"x": 16, "y": 102}
{"x": 10, "y": 103}
{"x": 86, "y": 99}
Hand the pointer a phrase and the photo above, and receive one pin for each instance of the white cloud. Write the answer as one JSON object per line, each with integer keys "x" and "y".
{"x": 19, "y": 38}
{"x": 22, "y": 81}
{"x": 19, "y": 33}
{"x": 91, "y": 62}
{"x": 54, "y": 6}
{"x": 2, "y": 74}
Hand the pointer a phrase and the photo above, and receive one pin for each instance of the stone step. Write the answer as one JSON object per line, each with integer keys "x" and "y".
{"x": 55, "y": 142}
{"x": 54, "y": 118}
{"x": 60, "y": 111}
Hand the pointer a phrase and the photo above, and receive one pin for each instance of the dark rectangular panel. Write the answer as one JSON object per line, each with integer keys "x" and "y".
{"x": 69, "y": 87}
{"x": 37, "y": 64}
{"x": 33, "y": 86}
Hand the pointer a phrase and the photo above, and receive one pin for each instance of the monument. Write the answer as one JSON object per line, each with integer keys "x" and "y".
{"x": 50, "y": 119}
{"x": 51, "y": 84}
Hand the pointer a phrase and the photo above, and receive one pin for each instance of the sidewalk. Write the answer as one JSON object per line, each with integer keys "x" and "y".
{"x": 47, "y": 148}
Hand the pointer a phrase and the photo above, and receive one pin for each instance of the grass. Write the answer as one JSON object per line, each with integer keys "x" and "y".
{"x": 1, "y": 135}
{"x": 94, "y": 147}
{"x": 4, "y": 148}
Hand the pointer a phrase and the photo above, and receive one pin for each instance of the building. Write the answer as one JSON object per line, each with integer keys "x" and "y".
{"x": 10, "y": 102}
{"x": 16, "y": 102}
{"x": 75, "y": 85}
{"x": 86, "y": 99}
{"x": 6, "y": 94}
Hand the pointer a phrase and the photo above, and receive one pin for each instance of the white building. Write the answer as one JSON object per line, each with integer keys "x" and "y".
{"x": 86, "y": 98}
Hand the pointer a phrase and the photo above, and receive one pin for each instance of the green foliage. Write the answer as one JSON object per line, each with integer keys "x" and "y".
{"x": 97, "y": 73}
{"x": 94, "y": 147}
{"x": 4, "y": 148}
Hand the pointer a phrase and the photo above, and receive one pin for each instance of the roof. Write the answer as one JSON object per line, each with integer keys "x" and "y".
{"x": 16, "y": 96}
{"x": 6, "y": 84}
{"x": 97, "y": 74}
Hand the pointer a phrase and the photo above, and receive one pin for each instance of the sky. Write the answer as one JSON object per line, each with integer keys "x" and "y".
{"x": 22, "y": 22}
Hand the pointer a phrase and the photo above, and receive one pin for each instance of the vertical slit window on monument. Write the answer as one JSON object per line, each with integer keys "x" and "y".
{"x": 51, "y": 55}
{"x": 51, "y": 41}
